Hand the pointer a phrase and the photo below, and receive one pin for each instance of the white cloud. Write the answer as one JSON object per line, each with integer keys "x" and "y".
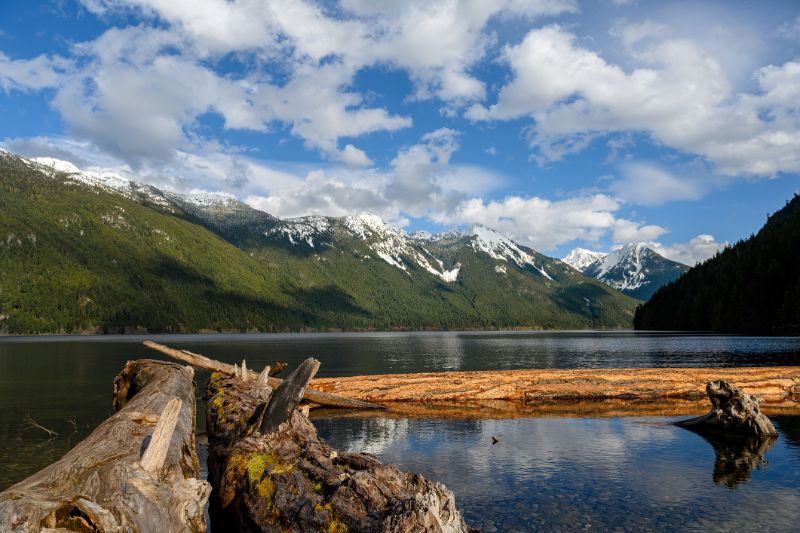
{"x": 301, "y": 59}
{"x": 355, "y": 157}
{"x": 690, "y": 253}
{"x": 680, "y": 96}
{"x": 645, "y": 183}
{"x": 626, "y": 231}
{"x": 34, "y": 74}
{"x": 537, "y": 222}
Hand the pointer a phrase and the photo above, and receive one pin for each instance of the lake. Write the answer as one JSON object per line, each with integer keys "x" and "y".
{"x": 544, "y": 473}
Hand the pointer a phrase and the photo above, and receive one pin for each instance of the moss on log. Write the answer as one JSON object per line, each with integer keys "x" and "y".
{"x": 290, "y": 480}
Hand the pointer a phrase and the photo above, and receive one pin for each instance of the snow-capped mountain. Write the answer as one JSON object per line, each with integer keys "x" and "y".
{"x": 633, "y": 269}
{"x": 164, "y": 261}
{"x": 580, "y": 258}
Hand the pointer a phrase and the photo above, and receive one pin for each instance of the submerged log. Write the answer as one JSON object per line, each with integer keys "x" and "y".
{"x": 289, "y": 480}
{"x": 136, "y": 472}
{"x": 733, "y": 411}
{"x": 201, "y": 361}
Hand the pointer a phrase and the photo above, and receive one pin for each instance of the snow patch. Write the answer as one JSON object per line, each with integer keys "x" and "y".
{"x": 581, "y": 258}
{"x": 501, "y": 248}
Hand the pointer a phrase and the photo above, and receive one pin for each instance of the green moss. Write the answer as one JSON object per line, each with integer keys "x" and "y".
{"x": 334, "y": 524}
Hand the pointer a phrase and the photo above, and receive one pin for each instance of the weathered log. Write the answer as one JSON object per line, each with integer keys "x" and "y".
{"x": 123, "y": 477}
{"x": 201, "y": 361}
{"x": 772, "y": 383}
{"x": 287, "y": 396}
{"x": 733, "y": 411}
{"x": 290, "y": 480}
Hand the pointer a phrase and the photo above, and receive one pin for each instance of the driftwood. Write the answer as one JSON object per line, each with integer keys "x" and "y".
{"x": 772, "y": 383}
{"x": 136, "y": 472}
{"x": 201, "y": 361}
{"x": 290, "y": 480}
{"x": 733, "y": 412}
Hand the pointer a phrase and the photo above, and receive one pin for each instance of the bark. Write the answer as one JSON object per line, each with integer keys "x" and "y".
{"x": 733, "y": 412}
{"x": 290, "y": 480}
{"x": 201, "y": 361}
{"x": 773, "y": 384}
{"x": 137, "y": 471}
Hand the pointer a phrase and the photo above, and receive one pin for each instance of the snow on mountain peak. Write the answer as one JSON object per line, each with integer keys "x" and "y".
{"x": 209, "y": 199}
{"x": 581, "y": 258}
{"x": 630, "y": 259}
{"x": 303, "y": 229}
{"x": 59, "y": 165}
{"x": 501, "y": 248}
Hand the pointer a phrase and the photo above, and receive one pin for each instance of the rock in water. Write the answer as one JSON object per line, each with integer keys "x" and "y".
{"x": 733, "y": 412}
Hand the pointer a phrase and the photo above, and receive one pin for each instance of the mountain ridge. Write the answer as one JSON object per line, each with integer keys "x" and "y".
{"x": 634, "y": 269}
{"x": 118, "y": 254}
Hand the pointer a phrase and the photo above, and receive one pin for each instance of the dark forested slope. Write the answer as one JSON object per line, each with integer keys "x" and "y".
{"x": 752, "y": 287}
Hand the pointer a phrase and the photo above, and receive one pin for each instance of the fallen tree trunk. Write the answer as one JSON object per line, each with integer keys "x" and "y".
{"x": 772, "y": 383}
{"x": 287, "y": 479}
{"x": 733, "y": 411}
{"x": 201, "y": 361}
{"x": 137, "y": 471}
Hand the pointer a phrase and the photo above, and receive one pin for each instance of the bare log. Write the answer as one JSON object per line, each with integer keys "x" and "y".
{"x": 156, "y": 452}
{"x": 287, "y": 396}
{"x": 312, "y": 395}
{"x": 104, "y": 483}
{"x": 733, "y": 411}
{"x": 290, "y": 480}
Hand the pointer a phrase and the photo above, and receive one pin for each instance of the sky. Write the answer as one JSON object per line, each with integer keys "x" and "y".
{"x": 560, "y": 123}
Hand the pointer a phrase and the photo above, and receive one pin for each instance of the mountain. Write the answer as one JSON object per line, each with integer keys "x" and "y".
{"x": 581, "y": 258}
{"x": 95, "y": 252}
{"x": 634, "y": 269}
{"x": 752, "y": 287}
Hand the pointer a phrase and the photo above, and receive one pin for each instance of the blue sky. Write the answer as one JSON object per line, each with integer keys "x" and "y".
{"x": 560, "y": 123}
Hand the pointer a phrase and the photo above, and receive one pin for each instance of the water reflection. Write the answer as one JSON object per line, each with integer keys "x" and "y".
{"x": 561, "y": 474}
{"x": 55, "y": 379}
{"x": 737, "y": 457}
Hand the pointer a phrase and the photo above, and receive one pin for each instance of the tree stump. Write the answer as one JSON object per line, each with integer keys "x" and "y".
{"x": 290, "y": 480}
{"x": 733, "y": 412}
{"x": 136, "y": 472}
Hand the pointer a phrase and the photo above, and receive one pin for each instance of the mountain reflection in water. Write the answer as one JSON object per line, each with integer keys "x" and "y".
{"x": 559, "y": 474}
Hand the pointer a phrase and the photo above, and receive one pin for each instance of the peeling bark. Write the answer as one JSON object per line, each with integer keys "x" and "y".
{"x": 102, "y": 485}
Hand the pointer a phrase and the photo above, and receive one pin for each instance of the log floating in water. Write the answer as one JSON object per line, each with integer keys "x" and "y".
{"x": 106, "y": 483}
{"x": 733, "y": 412}
{"x": 773, "y": 384}
{"x": 201, "y": 361}
{"x": 289, "y": 480}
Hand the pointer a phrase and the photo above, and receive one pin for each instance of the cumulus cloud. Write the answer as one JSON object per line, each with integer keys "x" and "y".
{"x": 355, "y": 157}
{"x": 625, "y": 231}
{"x": 537, "y": 222}
{"x": 680, "y": 96}
{"x": 690, "y": 253}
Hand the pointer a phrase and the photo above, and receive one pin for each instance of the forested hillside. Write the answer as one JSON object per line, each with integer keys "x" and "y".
{"x": 100, "y": 254}
{"x": 752, "y": 287}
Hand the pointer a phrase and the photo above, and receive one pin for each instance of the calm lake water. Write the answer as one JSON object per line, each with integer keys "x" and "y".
{"x": 544, "y": 473}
